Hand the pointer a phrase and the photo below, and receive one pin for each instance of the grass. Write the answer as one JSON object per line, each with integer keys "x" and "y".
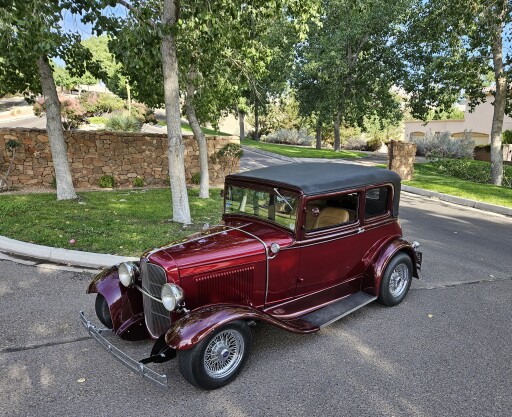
{"x": 185, "y": 128}
{"x": 302, "y": 151}
{"x": 427, "y": 177}
{"x": 117, "y": 222}
{"x": 97, "y": 120}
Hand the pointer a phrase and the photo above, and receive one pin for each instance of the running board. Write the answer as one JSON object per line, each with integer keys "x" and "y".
{"x": 335, "y": 311}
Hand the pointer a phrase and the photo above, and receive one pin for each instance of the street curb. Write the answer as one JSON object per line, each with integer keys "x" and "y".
{"x": 269, "y": 154}
{"x": 61, "y": 256}
{"x": 459, "y": 200}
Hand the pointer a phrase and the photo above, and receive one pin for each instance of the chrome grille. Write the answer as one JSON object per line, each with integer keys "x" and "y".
{"x": 157, "y": 317}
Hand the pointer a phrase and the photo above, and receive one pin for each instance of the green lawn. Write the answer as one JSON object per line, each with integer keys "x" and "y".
{"x": 117, "y": 222}
{"x": 301, "y": 151}
{"x": 427, "y": 177}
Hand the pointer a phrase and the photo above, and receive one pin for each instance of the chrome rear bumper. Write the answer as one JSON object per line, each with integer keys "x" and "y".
{"x": 137, "y": 367}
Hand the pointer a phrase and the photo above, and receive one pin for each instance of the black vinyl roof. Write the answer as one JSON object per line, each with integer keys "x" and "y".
{"x": 319, "y": 178}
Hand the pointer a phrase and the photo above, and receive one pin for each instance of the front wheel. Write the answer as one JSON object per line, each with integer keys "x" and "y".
{"x": 396, "y": 280}
{"x": 217, "y": 360}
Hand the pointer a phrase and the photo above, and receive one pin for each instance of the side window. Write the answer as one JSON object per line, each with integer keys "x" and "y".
{"x": 376, "y": 202}
{"x": 332, "y": 211}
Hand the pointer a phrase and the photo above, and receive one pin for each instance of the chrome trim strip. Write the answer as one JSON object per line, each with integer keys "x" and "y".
{"x": 143, "y": 291}
{"x": 197, "y": 238}
{"x": 137, "y": 367}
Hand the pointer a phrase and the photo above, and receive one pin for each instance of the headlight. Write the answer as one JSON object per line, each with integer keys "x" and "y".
{"x": 128, "y": 271}
{"x": 172, "y": 296}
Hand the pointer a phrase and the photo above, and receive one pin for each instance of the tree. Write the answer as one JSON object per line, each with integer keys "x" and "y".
{"x": 30, "y": 36}
{"x": 346, "y": 67}
{"x": 450, "y": 48}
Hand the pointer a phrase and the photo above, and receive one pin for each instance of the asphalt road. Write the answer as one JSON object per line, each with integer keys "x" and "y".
{"x": 445, "y": 351}
{"x": 27, "y": 122}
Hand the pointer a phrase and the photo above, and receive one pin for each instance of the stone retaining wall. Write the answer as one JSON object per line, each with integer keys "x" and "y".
{"x": 92, "y": 154}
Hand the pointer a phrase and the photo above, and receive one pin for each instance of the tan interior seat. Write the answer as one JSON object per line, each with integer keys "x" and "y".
{"x": 331, "y": 216}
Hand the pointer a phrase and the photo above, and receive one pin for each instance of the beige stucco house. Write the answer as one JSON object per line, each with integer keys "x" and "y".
{"x": 477, "y": 122}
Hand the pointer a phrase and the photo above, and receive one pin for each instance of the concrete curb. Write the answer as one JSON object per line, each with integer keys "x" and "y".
{"x": 459, "y": 200}
{"x": 61, "y": 256}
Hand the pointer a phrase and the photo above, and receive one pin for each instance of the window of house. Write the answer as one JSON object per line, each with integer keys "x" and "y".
{"x": 331, "y": 211}
{"x": 377, "y": 202}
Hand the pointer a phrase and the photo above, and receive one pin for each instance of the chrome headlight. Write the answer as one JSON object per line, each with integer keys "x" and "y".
{"x": 128, "y": 272}
{"x": 172, "y": 296}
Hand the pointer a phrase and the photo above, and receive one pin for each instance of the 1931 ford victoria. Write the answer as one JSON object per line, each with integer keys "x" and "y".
{"x": 301, "y": 245}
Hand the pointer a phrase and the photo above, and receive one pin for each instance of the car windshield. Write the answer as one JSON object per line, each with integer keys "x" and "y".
{"x": 273, "y": 205}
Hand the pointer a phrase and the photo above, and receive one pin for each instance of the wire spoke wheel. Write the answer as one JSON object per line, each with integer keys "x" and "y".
{"x": 399, "y": 280}
{"x": 224, "y": 353}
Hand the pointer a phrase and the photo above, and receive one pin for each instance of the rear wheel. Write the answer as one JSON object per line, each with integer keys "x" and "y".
{"x": 217, "y": 360}
{"x": 396, "y": 280}
{"x": 103, "y": 311}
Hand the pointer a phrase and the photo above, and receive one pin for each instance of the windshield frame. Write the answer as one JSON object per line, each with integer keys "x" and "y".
{"x": 268, "y": 189}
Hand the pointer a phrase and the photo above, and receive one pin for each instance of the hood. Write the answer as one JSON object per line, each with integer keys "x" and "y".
{"x": 219, "y": 245}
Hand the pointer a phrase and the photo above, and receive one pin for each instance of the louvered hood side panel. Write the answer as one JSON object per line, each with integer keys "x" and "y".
{"x": 229, "y": 286}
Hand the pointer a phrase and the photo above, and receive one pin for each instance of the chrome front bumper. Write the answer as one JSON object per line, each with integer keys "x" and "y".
{"x": 137, "y": 367}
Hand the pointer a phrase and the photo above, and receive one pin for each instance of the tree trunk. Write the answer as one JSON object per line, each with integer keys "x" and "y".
{"x": 319, "y": 135}
{"x": 241, "y": 122}
{"x": 180, "y": 206}
{"x": 500, "y": 100}
{"x": 65, "y": 189}
{"x": 337, "y": 141}
{"x": 256, "y": 121}
{"x": 204, "y": 187}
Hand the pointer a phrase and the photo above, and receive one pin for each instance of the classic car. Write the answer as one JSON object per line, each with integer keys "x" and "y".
{"x": 300, "y": 246}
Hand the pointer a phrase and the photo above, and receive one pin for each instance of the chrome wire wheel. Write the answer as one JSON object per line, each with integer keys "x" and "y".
{"x": 399, "y": 280}
{"x": 224, "y": 353}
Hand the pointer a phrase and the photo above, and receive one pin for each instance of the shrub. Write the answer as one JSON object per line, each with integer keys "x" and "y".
{"x": 507, "y": 137}
{"x": 123, "y": 123}
{"x": 143, "y": 113}
{"x": 71, "y": 111}
{"x": 95, "y": 104}
{"x": 373, "y": 145}
{"x": 138, "y": 182}
{"x": 467, "y": 169}
{"x": 227, "y": 157}
{"x": 444, "y": 146}
{"x": 289, "y": 137}
{"x": 107, "y": 181}
{"x": 196, "y": 178}
{"x": 355, "y": 144}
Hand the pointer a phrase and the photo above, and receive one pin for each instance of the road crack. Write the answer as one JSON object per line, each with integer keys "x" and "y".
{"x": 460, "y": 283}
{"x": 41, "y": 345}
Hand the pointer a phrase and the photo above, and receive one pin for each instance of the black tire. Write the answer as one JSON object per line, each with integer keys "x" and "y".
{"x": 396, "y": 280}
{"x": 103, "y": 311}
{"x": 227, "y": 348}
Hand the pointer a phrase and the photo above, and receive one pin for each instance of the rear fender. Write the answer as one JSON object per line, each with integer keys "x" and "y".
{"x": 198, "y": 324}
{"x": 125, "y": 304}
{"x": 378, "y": 260}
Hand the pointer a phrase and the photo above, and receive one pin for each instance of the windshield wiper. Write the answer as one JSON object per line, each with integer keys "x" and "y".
{"x": 285, "y": 200}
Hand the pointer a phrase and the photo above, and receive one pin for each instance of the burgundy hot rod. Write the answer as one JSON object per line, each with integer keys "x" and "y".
{"x": 300, "y": 246}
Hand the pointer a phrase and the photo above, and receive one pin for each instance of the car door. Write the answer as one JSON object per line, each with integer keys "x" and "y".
{"x": 333, "y": 245}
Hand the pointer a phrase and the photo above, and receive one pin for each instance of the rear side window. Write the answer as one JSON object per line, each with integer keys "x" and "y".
{"x": 377, "y": 202}
{"x": 332, "y": 211}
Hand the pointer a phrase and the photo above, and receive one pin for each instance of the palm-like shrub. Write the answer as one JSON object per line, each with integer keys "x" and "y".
{"x": 123, "y": 123}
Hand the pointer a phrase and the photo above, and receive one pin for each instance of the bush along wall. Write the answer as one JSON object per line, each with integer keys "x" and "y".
{"x": 96, "y": 154}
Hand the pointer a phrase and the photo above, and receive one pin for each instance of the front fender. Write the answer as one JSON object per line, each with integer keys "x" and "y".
{"x": 198, "y": 324}
{"x": 378, "y": 260}
{"x": 125, "y": 304}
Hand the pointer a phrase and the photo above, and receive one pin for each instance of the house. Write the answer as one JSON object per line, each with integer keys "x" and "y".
{"x": 478, "y": 122}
